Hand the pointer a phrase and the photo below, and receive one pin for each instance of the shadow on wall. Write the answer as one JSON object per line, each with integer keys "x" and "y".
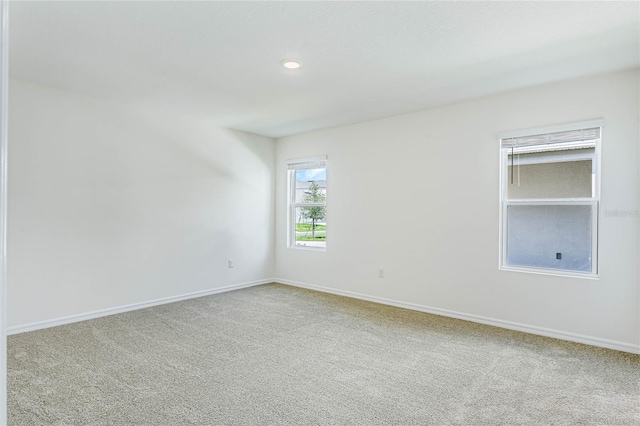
{"x": 118, "y": 204}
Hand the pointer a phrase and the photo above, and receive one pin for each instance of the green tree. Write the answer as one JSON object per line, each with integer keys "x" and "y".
{"x": 316, "y": 214}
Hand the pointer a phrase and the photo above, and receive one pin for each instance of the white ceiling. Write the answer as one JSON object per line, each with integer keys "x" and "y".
{"x": 361, "y": 60}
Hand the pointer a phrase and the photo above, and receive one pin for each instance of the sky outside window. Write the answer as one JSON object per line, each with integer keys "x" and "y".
{"x": 311, "y": 174}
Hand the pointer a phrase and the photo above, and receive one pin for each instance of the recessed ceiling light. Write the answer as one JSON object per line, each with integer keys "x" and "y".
{"x": 290, "y": 64}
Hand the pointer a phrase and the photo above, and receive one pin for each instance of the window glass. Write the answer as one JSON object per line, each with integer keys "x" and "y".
{"x": 550, "y": 200}
{"x": 310, "y": 226}
{"x": 307, "y": 222}
{"x": 310, "y": 185}
{"x": 549, "y": 175}
{"x": 550, "y": 236}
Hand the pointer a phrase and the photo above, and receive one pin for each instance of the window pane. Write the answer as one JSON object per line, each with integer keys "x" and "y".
{"x": 311, "y": 226}
{"x": 552, "y": 236}
{"x": 310, "y": 185}
{"x": 551, "y": 174}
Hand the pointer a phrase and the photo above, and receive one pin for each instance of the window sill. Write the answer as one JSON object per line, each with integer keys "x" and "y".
{"x": 309, "y": 248}
{"x": 554, "y": 273}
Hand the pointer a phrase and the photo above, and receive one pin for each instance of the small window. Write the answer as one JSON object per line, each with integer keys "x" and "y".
{"x": 308, "y": 203}
{"x": 550, "y": 195}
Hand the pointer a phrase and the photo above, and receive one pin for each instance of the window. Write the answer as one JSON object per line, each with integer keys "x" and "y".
{"x": 308, "y": 203}
{"x": 549, "y": 196}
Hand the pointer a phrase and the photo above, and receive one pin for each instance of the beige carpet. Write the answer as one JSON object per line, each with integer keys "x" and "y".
{"x": 279, "y": 355}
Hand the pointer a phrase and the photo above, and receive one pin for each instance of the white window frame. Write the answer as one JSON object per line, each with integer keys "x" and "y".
{"x": 292, "y": 205}
{"x": 593, "y": 201}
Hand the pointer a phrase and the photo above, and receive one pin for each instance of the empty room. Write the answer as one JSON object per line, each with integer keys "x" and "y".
{"x": 346, "y": 213}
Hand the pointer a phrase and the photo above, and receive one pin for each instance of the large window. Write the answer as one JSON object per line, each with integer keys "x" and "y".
{"x": 549, "y": 196}
{"x": 308, "y": 203}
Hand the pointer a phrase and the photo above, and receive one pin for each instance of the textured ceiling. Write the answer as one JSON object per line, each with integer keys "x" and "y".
{"x": 361, "y": 60}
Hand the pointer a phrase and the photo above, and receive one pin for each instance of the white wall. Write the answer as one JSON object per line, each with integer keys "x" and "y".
{"x": 116, "y": 204}
{"x": 440, "y": 249}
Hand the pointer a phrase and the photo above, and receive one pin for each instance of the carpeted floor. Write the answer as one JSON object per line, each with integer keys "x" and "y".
{"x": 280, "y": 355}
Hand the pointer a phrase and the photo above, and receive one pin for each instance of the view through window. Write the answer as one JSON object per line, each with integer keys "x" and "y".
{"x": 550, "y": 201}
{"x": 307, "y": 203}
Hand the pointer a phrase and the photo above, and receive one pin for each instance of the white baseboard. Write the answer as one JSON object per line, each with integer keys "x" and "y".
{"x": 117, "y": 310}
{"x": 557, "y": 334}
